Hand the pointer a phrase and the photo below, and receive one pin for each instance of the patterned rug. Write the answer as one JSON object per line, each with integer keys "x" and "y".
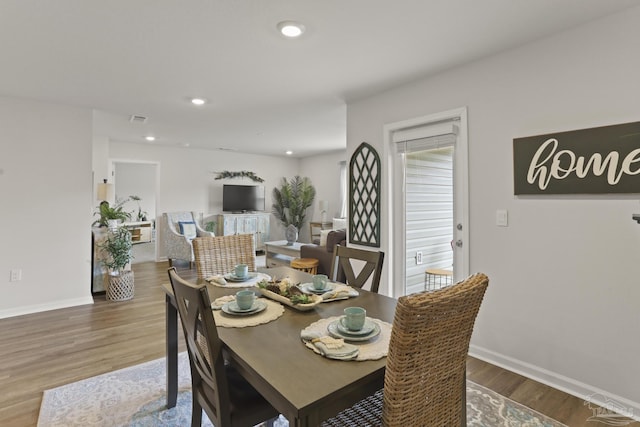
{"x": 135, "y": 397}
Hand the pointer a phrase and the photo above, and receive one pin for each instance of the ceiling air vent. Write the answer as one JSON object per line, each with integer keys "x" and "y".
{"x": 138, "y": 119}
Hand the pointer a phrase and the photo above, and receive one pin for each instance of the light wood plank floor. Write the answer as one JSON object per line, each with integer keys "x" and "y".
{"x": 45, "y": 350}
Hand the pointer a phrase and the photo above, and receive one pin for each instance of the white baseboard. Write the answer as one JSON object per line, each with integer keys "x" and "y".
{"x": 30, "y": 309}
{"x": 586, "y": 392}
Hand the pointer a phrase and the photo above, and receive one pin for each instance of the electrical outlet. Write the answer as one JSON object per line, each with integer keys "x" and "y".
{"x": 419, "y": 257}
{"x": 16, "y": 275}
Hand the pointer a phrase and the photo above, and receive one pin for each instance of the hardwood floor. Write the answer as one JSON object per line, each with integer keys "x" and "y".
{"x": 45, "y": 350}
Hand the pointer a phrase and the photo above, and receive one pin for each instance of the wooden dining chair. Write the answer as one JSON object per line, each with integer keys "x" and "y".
{"x": 227, "y": 398}
{"x": 425, "y": 376}
{"x": 220, "y": 254}
{"x": 343, "y": 268}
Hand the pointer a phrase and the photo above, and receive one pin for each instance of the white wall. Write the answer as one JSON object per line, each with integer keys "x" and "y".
{"x": 136, "y": 179}
{"x": 187, "y": 177}
{"x": 45, "y": 205}
{"x": 562, "y": 304}
{"x": 324, "y": 173}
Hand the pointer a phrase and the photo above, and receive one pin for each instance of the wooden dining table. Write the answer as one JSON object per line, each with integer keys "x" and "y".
{"x": 302, "y": 385}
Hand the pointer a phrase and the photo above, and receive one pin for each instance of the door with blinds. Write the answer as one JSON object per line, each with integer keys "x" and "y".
{"x": 430, "y": 197}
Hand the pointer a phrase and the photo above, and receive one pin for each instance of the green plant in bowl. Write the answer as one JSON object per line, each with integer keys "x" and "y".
{"x": 108, "y": 212}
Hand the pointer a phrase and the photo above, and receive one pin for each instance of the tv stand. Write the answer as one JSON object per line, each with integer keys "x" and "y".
{"x": 256, "y": 223}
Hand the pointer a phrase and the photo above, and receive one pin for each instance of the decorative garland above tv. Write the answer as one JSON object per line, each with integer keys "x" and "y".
{"x": 242, "y": 174}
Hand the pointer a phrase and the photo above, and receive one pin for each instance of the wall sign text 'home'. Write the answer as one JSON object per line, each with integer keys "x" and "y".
{"x": 587, "y": 161}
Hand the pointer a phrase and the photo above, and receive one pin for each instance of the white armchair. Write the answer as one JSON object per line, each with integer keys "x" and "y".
{"x": 178, "y": 230}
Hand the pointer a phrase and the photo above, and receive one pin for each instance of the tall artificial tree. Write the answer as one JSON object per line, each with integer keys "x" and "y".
{"x": 292, "y": 199}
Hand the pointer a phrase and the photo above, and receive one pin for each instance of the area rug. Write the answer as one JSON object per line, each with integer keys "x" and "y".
{"x": 135, "y": 397}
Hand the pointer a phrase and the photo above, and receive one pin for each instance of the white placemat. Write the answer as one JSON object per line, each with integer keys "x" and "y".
{"x": 273, "y": 311}
{"x": 374, "y": 349}
{"x": 215, "y": 281}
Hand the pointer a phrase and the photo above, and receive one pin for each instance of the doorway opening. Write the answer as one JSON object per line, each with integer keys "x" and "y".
{"x": 137, "y": 181}
{"x": 428, "y": 189}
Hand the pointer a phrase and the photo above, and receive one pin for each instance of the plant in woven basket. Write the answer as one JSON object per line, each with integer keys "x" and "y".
{"x": 116, "y": 249}
{"x": 292, "y": 199}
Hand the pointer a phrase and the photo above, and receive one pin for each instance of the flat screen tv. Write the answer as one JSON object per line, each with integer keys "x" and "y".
{"x": 242, "y": 198}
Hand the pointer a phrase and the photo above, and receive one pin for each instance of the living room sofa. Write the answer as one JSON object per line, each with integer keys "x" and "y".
{"x": 324, "y": 253}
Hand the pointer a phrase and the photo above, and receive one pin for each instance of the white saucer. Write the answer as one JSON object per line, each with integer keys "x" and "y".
{"x": 369, "y": 326}
{"x": 233, "y": 278}
{"x": 233, "y": 309}
{"x": 309, "y": 289}
{"x": 335, "y": 332}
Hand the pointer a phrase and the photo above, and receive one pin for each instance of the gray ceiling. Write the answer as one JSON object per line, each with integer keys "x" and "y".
{"x": 267, "y": 94}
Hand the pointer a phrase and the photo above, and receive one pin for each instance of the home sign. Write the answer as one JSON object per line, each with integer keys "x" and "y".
{"x": 599, "y": 160}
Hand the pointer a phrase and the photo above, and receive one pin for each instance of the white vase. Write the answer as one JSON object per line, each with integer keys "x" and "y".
{"x": 112, "y": 224}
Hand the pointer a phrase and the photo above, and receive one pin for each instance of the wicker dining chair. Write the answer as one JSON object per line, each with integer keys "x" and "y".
{"x": 220, "y": 254}
{"x": 342, "y": 266}
{"x": 226, "y": 397}
{"x": 425, "y": 377}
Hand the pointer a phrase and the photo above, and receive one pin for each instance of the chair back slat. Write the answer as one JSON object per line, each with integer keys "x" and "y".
{"x": 426, "y": 365}
{"x": 220, "y": 254}
{"x": 208, "y": 377}
{"x": 342, "y": 262}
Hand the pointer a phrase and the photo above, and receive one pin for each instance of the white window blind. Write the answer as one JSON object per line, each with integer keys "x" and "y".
{"x": 425, "y": 138}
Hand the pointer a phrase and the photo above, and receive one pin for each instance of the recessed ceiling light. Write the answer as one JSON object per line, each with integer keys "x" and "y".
{"x": 150, "y": 138}
{"x": 198, "y": 101}
{"x": 288, "y": 152}
{"x": 291, "y": 29}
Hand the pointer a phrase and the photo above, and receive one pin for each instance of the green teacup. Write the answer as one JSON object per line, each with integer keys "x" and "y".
{"x": 320, "y": 281}
{"x": 241, "y": 270}
{"x": 245, "y": 299}
{"x": 353, "y": 318}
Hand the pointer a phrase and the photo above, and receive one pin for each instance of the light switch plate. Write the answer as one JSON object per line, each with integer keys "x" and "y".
{"x": 502, "y": 218}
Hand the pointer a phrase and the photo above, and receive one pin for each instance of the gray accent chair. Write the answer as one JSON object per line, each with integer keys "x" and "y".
{"x": 178, "y": 245}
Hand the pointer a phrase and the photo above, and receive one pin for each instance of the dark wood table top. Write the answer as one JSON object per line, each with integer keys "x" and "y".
{"x": 304, "y": 386}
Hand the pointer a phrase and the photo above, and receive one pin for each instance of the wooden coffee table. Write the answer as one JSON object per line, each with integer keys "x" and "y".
{"x": 278, "y": 253}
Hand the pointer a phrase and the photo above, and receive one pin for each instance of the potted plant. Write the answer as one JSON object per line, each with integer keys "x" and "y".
{"x": 115, "y": 213}
{"x": 116, "y": 256}
{"x": 142, "y": 215}
{"x": 210, "y": 226}
{"x": 291, "y": 202}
